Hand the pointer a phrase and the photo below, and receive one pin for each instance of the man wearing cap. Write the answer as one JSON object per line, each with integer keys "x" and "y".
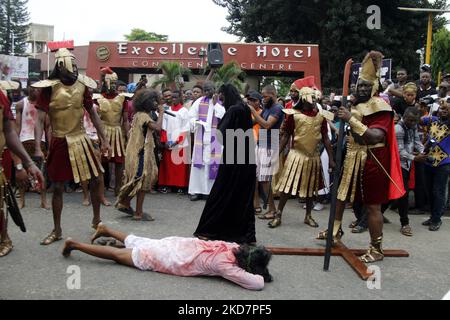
{"x": 295, "y": 98}
{"x": 372, "y": 170}
{"x": 267, "y": 150}
{"x": 65, "y": 96}
{"x": 443, "y": 93}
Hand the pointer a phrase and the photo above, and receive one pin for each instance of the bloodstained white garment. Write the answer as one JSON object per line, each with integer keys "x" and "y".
{"x": 189, "y": 257}
{"x": 29, "y": 117}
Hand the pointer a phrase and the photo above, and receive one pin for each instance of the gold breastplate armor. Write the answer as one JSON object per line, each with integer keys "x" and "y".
{"x": 302, "y": 169}
{"x": 307, "y": 134}
{"x": 110, "y": 110}
{"x": 66, "y": 109}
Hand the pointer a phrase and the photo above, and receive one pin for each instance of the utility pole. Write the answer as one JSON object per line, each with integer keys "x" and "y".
{"x": 12, "y": 44}
{"x": 431, "y": 13}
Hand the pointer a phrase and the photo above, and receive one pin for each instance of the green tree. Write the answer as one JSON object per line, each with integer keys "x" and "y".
{"x": 283, "y": 84}
{"x": 440, "y": 54}
{"x": 338, "y": 26}
{"x": 142, "y": 35}
{"x": 172, "y": 74}
{"x": 14, "y": 26}
{"x": 230, "y": 73}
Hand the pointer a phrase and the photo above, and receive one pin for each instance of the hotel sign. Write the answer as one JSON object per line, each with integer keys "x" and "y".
{"x": 270, "y": 58}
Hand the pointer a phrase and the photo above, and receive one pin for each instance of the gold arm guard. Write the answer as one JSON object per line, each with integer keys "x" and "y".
{"x": 357, "y": 126}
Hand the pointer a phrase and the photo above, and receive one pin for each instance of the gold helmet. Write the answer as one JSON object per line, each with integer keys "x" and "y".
{"x": 66, "y": 58}
{"x": 307, "y": 89}
{"x": 110, "y": 76}
{"x": 371, "y": 69}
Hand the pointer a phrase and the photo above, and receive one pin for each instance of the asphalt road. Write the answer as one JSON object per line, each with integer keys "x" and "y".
{"x": 35, "y": 272}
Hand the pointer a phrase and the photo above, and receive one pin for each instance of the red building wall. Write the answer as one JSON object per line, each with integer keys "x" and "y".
{"x": 268, "y": 59}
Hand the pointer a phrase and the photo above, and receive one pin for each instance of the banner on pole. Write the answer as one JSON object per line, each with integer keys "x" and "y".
{"x": 386, "y": 71}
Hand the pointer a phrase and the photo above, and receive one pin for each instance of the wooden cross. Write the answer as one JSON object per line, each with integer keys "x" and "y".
{"x": 349, "y": 255}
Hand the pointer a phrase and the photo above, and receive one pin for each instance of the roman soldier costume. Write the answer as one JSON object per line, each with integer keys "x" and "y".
{"x": 111, "y": 109}
{"x": 65, "y": 97}
{"x": 302, "y": 170}
{"x": 65, "y": 106}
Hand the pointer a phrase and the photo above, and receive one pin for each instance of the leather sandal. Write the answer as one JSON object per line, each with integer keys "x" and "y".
{"x": 51, "y": 238}
{"x": 373, "y": 255}
{"x": 5, "y": 248}
{"x": 406, "y": 231}
{"x": 311, "y": 222}
{"x": 353, "y": 224}
{"x": 270, "y": 215}
{"x": 324, "y": 236}
{"x": 275, "y": 223}
{"x": 359, "y": 229}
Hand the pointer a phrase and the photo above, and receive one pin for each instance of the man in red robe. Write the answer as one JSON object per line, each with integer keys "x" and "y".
{"x": 174, "y": 166}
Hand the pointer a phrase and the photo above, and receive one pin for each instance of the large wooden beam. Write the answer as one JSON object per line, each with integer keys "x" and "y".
{"x": 349, "y": 255}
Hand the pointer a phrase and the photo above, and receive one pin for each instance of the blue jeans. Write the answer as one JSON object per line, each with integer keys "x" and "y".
{"x": 437, "y": 183}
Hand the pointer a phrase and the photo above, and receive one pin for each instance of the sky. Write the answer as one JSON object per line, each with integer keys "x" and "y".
{"x": 109, "y": 20}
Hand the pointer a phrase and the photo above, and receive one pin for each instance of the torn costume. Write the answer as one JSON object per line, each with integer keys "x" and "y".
{"x": 141, "y": 171}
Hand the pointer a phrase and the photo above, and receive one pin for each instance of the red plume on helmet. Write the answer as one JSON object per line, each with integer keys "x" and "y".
{"x": 106, "y": 70}
{"x": 308, "y": 82}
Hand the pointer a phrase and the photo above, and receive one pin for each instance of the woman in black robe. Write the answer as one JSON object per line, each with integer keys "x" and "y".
{"x": 229, "y": 214}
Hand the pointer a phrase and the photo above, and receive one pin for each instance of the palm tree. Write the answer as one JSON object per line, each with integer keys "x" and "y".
{"x": 172, "y": 72}
{"x": 229, "y": 73}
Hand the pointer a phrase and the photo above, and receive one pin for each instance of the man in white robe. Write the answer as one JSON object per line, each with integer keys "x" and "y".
{"x": 204, "y": 116}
